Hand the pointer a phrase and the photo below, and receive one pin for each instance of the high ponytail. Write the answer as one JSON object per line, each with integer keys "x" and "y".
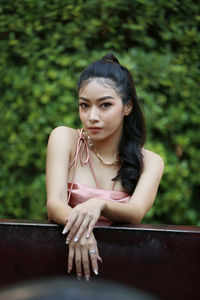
{"x": 111, "y": 57}
{"x": 134, "y": 131}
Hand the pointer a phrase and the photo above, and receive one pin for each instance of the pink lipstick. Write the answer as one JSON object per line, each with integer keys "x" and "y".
{"x": 94, "y": 129}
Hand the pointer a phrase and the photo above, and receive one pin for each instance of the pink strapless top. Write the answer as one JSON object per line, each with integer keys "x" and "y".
{"x": 79, "y": 193}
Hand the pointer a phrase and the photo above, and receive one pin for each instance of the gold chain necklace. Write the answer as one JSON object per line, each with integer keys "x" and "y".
{"x": 106, "y": 163}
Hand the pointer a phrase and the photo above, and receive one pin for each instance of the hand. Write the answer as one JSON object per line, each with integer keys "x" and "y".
{"x": 83, "y": 252}
{"x": 83, "y": 218}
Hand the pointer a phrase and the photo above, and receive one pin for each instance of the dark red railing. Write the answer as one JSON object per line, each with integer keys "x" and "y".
{"x": 161, "y": 260}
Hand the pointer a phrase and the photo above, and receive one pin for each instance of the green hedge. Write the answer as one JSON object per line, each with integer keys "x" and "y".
{"x": 45, "y": 45}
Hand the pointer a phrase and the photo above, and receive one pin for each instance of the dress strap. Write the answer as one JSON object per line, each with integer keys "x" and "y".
{"x": 81, "y": 141}
{"x": 84, "y": 158}
{"x": 113, "y": 185}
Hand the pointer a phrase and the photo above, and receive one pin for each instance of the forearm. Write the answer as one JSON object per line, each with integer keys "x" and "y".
{"x": 122, "y": 212}
{"x": 58, "y": 211}
{"x": 143, "y": 196}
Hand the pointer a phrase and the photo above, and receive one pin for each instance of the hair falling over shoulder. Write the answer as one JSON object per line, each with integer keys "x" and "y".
{"x": 134, "y": 131}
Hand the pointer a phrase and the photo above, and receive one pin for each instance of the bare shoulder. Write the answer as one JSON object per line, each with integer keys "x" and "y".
{"x": 149, "y": 155}
{"x": 63, "y": 138}
{"x": 152, "y": 160}
{"x": 61, "y": 131}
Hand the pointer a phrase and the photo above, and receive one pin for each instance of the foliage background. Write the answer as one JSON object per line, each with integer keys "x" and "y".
{"x": 45, "y": 44}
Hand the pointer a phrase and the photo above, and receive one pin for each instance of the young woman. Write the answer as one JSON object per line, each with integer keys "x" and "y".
{"x": 101, "y": 172}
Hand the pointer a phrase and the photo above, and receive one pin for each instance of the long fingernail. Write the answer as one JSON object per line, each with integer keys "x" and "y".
{"x": 87, "y": 236}
{"x": 79, "y": 276}
{"x": 76, "y": 239}
{"x": 67, "y": 242}
{"x": 96, "y": 271}
{"x": 87, "y": 277}
{"x": 99, "y": 258}
{"x": 64, "y": 231}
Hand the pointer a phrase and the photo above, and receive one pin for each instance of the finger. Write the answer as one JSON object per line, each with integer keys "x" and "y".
{"x": 90, "y": 228}
{"x": 98, "y": 256}
{"x": 75, "y": 228}
{"x": 78, "y": 262}
{"x": 93, "y": 258}
{"x": 86, "y": 264}
{"x": 65, "y": 227}
{"x": 70, "y": 259}
{"x": 70, "y": 222}
{"x": 82, "y": 229}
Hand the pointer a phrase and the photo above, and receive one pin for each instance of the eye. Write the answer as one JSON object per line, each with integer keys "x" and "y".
{"x": 83, "y": 105}
{"x": 106, "y": 104}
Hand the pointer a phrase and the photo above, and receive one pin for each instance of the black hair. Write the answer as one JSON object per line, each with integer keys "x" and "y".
{"x": 134, "y": 131}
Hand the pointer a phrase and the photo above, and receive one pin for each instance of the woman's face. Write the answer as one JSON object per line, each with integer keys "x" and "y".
{"x": 101, "y": 110}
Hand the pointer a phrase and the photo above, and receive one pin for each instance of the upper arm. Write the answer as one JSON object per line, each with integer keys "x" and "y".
{"x": 147, "y": 186}
{"x": 59, "y": 149}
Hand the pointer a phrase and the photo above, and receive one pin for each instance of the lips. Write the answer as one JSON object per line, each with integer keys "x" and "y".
{"x": 94, "y": 129}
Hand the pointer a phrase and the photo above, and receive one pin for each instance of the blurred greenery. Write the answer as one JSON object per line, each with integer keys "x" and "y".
{"x": 45, "y": 44}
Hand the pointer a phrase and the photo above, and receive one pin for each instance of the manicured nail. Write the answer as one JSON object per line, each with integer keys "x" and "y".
{"x": 67, "y": 242}
{"x": 79, "y": 276}
{"x": 87, "y": 277}
{"x": 76, "y": 239}
{"x": 69, "y": 270}
{"x": 87, "y": 236}
{"x": 64, "y": 231}
{"x": 99, "y": 258}
{"x": 96, "y": 271}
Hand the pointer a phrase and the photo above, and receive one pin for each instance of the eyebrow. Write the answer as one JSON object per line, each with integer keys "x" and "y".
{"x": 99, "y": 99}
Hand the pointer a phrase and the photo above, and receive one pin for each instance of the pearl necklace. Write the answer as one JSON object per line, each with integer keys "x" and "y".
{"x": 106, "y": 163}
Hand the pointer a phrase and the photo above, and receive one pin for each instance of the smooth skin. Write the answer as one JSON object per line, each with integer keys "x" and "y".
{"x": 101, "y": 106}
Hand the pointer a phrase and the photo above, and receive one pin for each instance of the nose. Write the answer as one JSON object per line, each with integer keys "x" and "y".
{"x": 94, "y": 115}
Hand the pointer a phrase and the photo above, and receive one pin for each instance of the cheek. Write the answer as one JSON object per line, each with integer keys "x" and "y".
{"x": 81, "y": 116}
{"x": 116, "y": 113}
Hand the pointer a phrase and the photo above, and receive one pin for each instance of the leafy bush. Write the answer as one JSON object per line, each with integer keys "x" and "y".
{"x": 44, "y": 47}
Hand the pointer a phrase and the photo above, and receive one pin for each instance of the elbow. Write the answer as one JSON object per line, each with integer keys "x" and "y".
{"x": 49, "y": 209}
{"x": 57, "y": 211}
{"x": 137, "y": 217}
{"x": 52, "y": 209}
{"x": 136, "y": 220}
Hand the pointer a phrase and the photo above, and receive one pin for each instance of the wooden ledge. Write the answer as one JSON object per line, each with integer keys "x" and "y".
{"x": 164, "y": 228}
{"x": 162, "y": 260}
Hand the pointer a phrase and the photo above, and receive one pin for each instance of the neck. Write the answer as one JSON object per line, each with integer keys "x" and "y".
{"x": 108, "y": 148}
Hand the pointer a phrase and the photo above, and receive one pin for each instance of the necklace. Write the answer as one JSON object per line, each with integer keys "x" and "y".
{"x": 106, "y": 163}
